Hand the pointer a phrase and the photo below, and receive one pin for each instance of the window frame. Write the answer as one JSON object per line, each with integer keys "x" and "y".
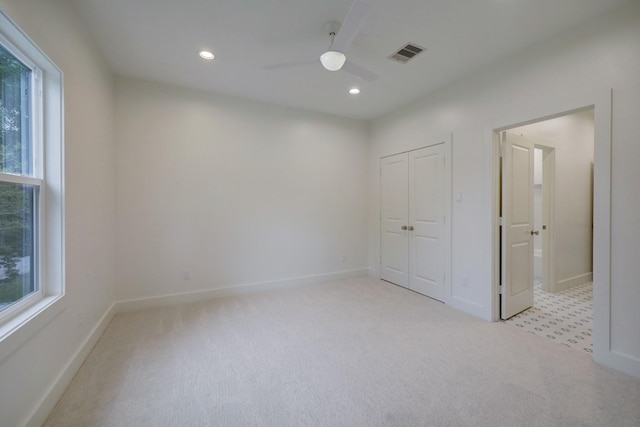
{"x": 34, "y": 179}
{"x": 21, "y": 320}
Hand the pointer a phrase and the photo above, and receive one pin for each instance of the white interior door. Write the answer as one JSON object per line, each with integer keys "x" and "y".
{"x": 427, "y": 248}
{"x": 517, "y": 225}
{"x": 394, "y": 255}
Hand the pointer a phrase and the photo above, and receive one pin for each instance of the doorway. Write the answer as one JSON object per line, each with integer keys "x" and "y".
{"x": 544, "y": 186}
{"x": 546, "y": 227}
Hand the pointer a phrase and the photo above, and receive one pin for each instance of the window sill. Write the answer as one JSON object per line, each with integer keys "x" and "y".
{"x": 22, "y": 327}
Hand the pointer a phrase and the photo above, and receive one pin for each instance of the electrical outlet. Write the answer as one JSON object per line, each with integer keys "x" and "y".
{"x": 186, "y": 274}
{"x": 343, "y": 259}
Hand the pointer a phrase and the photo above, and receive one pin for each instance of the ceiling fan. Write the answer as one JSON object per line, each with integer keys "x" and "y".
{"x": 335, "y": 58}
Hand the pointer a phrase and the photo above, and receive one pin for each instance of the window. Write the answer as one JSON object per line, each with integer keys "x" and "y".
{"x": 31, "y": 185}
{"x": 20, "y": 185}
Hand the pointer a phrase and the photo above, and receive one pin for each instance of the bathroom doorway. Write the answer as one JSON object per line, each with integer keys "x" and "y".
{"x": 558, "y": 304}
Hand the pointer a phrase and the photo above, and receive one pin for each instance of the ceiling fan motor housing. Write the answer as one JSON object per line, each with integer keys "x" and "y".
{"x": 333, "y": 60}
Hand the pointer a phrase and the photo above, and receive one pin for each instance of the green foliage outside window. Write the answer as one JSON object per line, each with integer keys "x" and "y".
{"x": 17, "y": 201}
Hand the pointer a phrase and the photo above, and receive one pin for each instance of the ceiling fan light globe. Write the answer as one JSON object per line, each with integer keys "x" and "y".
{"x": 333, "y": 60}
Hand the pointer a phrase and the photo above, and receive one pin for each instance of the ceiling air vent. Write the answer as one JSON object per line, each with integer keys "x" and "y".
{"x": 406, "y": 53}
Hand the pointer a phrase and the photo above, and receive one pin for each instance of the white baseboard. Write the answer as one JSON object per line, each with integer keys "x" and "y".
{"x": 251, "y": 288}
{"x": 51, "y": 397}
{"x": 618, "y": 361}
{"x": 573, "y": 281}
{"x": 469, "y": 307}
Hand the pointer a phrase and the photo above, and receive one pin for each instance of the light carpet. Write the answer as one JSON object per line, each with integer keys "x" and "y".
{"x": 358, "y": 352}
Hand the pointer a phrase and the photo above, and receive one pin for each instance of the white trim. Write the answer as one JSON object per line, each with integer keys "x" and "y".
{"x": 21, "y": 325}
{"x": 416, "y": 145}
{"x": 467, "y": 306}
{"x": 28, "y": 323}
{"x": 573, "y": 281}
{"x": 10, "y": 310}
{"x": 602, "y": 351}
{"x": 54, "y": 393}
{"x": 622, "y": 362}
{"x": 448, "y": 214}
{"x": 444, "y": 141}
{"x": 229, "y": 291}
{"x": 549, "y": 218}
{"x": 20, "y": 179}
{"x": 601, "y": 101}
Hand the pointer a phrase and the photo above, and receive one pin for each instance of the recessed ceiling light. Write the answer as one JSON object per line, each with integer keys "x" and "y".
{"x": 205, "y": 54}
{"x": 354, "y": 91}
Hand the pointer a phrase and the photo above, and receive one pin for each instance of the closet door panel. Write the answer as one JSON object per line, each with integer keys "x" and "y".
{"x": 394, "y": 256}
{"x": 427, "y": 218}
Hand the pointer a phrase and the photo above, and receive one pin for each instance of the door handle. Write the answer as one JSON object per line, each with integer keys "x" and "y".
{"x": 404, "y": 227}
{"x": 410, "y": 228}
{"x": 536, "y": 232}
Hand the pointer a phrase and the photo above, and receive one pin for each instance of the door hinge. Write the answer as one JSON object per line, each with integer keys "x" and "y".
{"x": 500, "y": 221}
{"x": 501, "y": 289}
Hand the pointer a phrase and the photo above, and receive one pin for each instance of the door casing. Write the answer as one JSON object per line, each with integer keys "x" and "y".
{"x": 601, "y": 102}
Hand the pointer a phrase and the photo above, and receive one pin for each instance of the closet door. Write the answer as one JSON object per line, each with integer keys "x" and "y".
{"x": 427, "y": 236}
{"x": 394, "y": 199}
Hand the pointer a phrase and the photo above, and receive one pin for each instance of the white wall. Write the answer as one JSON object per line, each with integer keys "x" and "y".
{"x": 27, "y": 375}
{"x": 572, "y": 136}
{"x": 234, "y": 191}
{"x": 592, "y": 58}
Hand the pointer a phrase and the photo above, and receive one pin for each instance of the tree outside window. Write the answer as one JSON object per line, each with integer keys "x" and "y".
{"x": 18, "y": 201}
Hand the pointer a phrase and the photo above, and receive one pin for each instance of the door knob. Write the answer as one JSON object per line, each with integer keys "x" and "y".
{"x": 404, "y": 227}
{"x": 536, "y": 232}
{"x": 410, "y": 228}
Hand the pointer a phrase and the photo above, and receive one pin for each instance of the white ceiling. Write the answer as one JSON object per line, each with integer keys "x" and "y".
{"x": 159, "y": 40}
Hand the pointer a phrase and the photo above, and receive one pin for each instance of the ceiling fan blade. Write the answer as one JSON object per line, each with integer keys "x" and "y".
{"x": 291, "y": 64}
{"x": 359, "y": 71}
{"x": 351, "y": 25}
